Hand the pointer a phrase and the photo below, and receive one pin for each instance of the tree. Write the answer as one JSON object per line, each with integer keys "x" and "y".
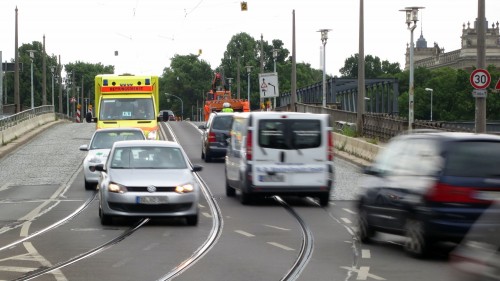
{"x": 189, "y": 78}
{"x": 84, "y": 77}
{"x": 374, "y": 68}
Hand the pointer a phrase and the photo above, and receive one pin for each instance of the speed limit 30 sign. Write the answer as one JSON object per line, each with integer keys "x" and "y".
{"x": 480, "y": 78}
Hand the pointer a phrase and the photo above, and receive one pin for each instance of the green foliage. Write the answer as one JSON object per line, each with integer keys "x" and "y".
{"x": 349, "y": 131}
{"x": 374, "y": 68}
{"x": 188, "y": 78}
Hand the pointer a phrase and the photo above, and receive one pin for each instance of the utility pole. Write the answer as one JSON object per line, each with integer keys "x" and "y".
{"x": 361, "y": 71}
{"x": 294, "y": 68}
{"x": 59, "y": 78}
{"x": 481, "y": 62}
{"x": 17, "y": 99}
{"x": 44, "y": 74}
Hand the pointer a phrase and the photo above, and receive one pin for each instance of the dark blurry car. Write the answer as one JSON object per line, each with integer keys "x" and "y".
{"x": 216, "y": 133}
{"x": 429, "y": 187}
{"x": 478, "y": 256}
{"x": 171, "y": 115}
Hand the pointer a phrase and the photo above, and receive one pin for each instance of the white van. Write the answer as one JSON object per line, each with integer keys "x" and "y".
{"x": 280, "y": 153}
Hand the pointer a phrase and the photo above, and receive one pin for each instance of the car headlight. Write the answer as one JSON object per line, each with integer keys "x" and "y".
{"x": 116, "y": 188}
{"x": 184, "y": 188}
{"x": 152, "y": 135}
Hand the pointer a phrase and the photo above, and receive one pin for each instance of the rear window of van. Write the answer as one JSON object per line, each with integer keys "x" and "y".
{"x": 289, "y": 134}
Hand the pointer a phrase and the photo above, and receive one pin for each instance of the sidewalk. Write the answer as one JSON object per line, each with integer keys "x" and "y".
{"x": 11, "y": 146}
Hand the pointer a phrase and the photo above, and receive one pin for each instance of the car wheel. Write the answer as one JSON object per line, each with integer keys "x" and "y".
{"x": 90, "y": 186}
{"x": 416, "y": 244}
{"x": 324, "y": 199}
{"x": 105, "y": 219}
{"x": 246, "y": 198}
{"x": 230, "y": 192}
{"x": 365, "y": 231}
{"x": 192, "y": 220}
{"x": 208, "y": 158}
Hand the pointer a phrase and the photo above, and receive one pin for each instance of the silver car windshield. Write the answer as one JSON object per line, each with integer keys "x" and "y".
{"x": 148, "y": 158}
{"x": 105, "y": 139}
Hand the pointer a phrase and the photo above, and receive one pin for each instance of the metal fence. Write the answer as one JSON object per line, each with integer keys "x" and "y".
{"x": 15, "y": 119}
{"x": 378, "y": 126}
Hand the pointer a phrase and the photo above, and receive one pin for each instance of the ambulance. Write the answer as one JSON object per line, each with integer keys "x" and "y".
{"x": 127, "y": 101}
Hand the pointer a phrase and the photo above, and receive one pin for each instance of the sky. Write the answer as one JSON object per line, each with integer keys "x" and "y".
{"x": 148, "y": 33}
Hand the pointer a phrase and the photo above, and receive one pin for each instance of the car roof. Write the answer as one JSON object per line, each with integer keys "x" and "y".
{"x": 452, "y": 136}
{"x": 141, "y": 143}
{"x": 120, "y": 129}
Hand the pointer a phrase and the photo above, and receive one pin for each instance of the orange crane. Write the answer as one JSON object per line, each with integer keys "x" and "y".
{"x": 219, "y": 94}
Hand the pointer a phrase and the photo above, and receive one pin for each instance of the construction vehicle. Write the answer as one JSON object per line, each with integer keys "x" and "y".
{"x": 219, "y": 94}
{"x": 127, "y": 101}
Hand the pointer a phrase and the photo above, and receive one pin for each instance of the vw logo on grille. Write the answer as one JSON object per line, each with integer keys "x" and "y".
{"x": 151, "y": 188}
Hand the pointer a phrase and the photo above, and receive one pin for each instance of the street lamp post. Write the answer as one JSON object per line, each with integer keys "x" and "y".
{"x": 411, "y": 22}
{"x": 230, "y": 82}
{"x": 430, "y": 90}
{"x": 275, "y": 56}
{"x": 52, "y": 69}
{"x": 32, "y": 57}
{"x": 324, "y": 38}
{"x": 182, "y": 104}
{"x": 249, "y": 69}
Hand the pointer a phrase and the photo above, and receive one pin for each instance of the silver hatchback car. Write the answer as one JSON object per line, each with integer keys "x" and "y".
{"x": 99, "y": 147}
{"x": 148, "y": 179}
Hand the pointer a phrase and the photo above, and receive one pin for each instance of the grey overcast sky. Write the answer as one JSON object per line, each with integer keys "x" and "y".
{"x": 147, "y": 33}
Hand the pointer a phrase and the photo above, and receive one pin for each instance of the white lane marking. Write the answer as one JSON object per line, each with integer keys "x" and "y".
{"x": 346, "y": 220}
{"x": 349, "y": 211}
{"x": 151, "y": 246}
{"x": 34, "y": 253}
{"x": 121, "y": 263}
{"x": 366, "y": 254}
{"x": 208, "y": 215}
{"x": 16, "y": 269}
{"x": 333, "y": 204}
{"x": 281, "y": 246}
{"x": 5, "y": 186}
{"x": 244, "y": 233}
{"x": 201, "y": 206}
{"x": 277, "y": 227}
{"x": 363, "y": 273}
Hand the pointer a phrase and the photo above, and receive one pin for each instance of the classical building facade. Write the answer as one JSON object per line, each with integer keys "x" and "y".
{"x": 463, "y": 58}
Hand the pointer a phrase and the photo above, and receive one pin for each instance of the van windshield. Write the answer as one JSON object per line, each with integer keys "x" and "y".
{"x": 127, "y": 109}
{"x": 289, "y": 134}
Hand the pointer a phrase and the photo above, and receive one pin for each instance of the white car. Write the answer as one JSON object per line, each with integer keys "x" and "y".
{"x": 100, "y": 144}
{"x": 148, "y": 179}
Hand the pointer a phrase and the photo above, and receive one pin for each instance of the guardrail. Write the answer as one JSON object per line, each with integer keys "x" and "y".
{"x": 20, "y": 117}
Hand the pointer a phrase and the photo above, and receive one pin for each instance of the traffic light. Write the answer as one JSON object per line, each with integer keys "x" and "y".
{"x": 244, "y": 6}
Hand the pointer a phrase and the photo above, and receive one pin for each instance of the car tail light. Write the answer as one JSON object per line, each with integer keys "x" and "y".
{"x": 442, "y": 192}
{"x": 330, "y": 146}
{"x": 249, "y": 145}
{"x": 211, "y": 137}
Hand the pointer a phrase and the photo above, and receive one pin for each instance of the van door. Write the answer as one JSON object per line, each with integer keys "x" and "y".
{"x": 291, "y": 151}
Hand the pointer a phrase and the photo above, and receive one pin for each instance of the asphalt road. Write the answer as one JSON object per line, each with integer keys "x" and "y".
{"x": 41, "y": 185}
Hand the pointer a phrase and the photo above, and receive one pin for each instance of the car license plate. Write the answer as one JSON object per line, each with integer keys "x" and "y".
{"x": 271, "y": 178}
{"x": 151, "y": 200}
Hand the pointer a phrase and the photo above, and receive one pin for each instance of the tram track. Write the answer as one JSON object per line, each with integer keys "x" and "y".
{"x": 79, "y": 210}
